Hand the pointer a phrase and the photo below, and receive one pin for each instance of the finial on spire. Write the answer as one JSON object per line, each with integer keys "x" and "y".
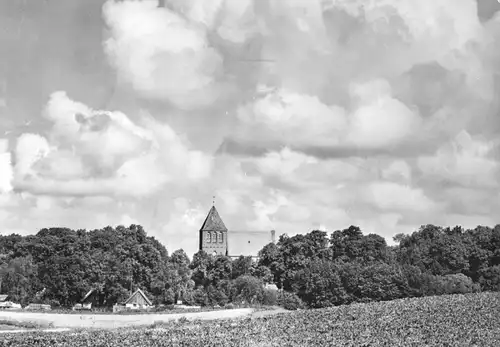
{"x": 213, "y": 200}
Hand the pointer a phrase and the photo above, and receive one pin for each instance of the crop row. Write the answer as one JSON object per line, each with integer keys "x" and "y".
{"x": 457, "y": 320}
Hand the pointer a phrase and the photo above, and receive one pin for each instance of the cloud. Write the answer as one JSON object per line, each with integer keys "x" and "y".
{"x": 90, "y": 152}
{"x": 6, "y": 171}
{"x": 396, "y": 197}
{"x": 378, "y": 114}
{"x": 464, "y": 161}
{"x": 163, "y": 54}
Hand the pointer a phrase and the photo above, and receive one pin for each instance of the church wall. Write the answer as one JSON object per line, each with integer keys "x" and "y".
{"x": 214, "y": 241}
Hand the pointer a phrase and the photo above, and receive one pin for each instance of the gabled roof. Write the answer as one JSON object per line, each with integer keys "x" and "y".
{"x": 3, "y": 297}
{"x": 213, "y": 222}
{"x": 139, "y": 292}
{"x": 87, "y": 295}
{"x": 247, "y": 243}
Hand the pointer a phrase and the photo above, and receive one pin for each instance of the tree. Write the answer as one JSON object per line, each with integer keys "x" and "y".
{"x": 241, "y": 266}
{"x": 319, "y": 285}
{"x": 247, "y": 289}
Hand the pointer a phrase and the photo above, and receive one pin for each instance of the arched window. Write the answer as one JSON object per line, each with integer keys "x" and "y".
{"x": 215, "y": 237}
{"x": 209, "y": 237}
{"x": 221, "y": 237}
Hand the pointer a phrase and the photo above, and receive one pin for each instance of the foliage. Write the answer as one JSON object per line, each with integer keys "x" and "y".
{"x": 64, "y": 265}
{"x": 58, "y": 266}
{"x": 457, "y": 320}
{"x": 290, "y": 301}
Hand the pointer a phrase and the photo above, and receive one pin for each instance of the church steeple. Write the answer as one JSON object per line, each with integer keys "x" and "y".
{"x": 213, "y": 222}
{"x": 213, "y": 234}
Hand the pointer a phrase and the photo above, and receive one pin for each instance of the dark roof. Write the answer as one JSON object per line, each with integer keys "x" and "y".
{"x": 87, "y": 295}
{"x": 140, "y": 292}
{"x": 247, "y": 243}
{"x": 213, "y": 222}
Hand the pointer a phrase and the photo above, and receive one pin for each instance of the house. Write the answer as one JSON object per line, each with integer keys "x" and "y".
{"x": 138, "y": 300}
{"x": 87, "y": 301}
{"x": 4, "y": 304}
{"x": 216, "y": 239}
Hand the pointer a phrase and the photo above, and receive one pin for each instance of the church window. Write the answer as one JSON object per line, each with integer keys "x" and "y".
{"x": 215, "y": 236}
{"x": 209, "y": 237}
{"x": 221, "y": 237}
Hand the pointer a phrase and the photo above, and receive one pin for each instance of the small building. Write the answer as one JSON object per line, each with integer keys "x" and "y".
{"x": 87, "y": 301}
{"x": 5, "y": 304}
{"x": 138, "y": 300}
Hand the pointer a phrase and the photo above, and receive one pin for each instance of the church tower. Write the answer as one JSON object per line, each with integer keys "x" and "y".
{"x": 213, "y": 234}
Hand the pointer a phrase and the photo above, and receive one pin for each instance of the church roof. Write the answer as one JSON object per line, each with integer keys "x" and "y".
{"x": 213, "y": 221}
{"x": 247, "y": 243}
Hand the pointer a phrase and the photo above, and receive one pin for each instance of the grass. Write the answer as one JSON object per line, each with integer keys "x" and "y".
{"x": 15, "y": 324}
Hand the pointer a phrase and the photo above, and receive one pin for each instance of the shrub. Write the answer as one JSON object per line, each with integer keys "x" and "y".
{"x": 290, "y": 301}
{"x": 490, "y": 278}
{"x": 269, "y": 297}
{"x": 200, "y": 297}
{"x": 169, "y": 296}
{"x": 247, "y": 289}
{"x": 216, "y": 297}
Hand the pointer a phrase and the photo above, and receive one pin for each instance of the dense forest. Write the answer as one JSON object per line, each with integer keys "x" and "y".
{"x": 58, "y": 266}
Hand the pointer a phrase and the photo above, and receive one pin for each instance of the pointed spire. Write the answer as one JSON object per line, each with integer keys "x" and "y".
{"x": 213, "y": 222}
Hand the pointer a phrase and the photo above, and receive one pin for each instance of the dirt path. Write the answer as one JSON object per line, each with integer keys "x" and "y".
{"x": 20, "y": 331}
{"x": 117, "y": 321}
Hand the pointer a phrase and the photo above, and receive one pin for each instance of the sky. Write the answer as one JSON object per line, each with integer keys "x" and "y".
{"x": 296, "y": 115}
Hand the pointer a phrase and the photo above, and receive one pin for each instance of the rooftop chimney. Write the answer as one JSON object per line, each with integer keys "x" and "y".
{"x": 273, "y": 236}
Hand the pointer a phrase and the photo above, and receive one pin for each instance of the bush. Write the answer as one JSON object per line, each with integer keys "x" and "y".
{"x": 490, "y": 278}
{"x": 200, "y": 297}
{"x": 247, "y": 289}
{"x": 459, "y": 284}
{"x": 290, "y": 301}
{"x": 187, "y": 298}
{"x": 449, "y": 284}
{"x": 216, "y": 297}
{"x": 169, "y": 297}
{"x": 269, "y": 297}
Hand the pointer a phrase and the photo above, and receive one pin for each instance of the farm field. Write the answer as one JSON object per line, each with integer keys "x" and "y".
{"x": 458, "y": 320}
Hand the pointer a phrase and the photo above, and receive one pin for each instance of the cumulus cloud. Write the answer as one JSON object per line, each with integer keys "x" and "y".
{"x": 378, "y": 114}
{"x": 6, "y": 171}
{"x": 464, "y": 161}
{"x": 91, "y": 152}
{"x": 361, "y": 73}
{"x": 396, "y": 197}
{"x": 163, "y": 54}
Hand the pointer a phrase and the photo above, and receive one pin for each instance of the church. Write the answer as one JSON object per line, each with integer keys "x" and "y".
{"x": 216, "y": 239}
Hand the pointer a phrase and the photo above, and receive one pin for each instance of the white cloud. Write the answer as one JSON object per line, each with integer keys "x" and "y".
{"x": 465, "y": 161}
{"x": 291, "y": 118}
{"x": 162, "y": 54}
{"x": 396, "y": 197}
{"x": 103, "y": 153}
{"x": 380, "y": 120}
{"x": 355, "y": 78}
{"x": 6, "y": 171}
{"x": 397, "y": 171}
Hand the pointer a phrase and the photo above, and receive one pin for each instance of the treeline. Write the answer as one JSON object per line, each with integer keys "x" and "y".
{"x": 58, "y": 266}
{"x": 351, "y": 267}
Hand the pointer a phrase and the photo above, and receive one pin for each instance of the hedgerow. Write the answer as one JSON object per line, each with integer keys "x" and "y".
{"x": 456, "y": 320}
